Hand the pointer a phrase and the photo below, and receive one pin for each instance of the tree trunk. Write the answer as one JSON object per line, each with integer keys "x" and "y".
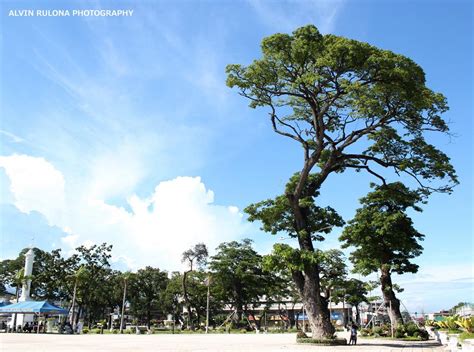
{"x": 148, "y": 315}
{"x": 291, "y": 316}
{"x": 357, "y": 314}
{"x": 391, "y": 301}
{"x": 186, "y": 300}
{"x": 316, "y": 308}
{"x": 308, "y": 282}
{"x": 17, "y": 293}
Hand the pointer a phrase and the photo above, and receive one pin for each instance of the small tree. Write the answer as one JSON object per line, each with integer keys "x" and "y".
{"x": 354, "y": 292}
{"x": 385, "y": 239}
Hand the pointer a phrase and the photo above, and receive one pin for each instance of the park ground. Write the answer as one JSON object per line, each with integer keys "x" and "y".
{"x": 193, "y": 342}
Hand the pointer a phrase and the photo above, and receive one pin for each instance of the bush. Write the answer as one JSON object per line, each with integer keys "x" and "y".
{"x": 366, "y": 332}
{"x": 400, "y": 332}
{"x": 115, "y": 331}
{"x": 301, "y": 335}
{"x": 411, "y": 332}
{"x": 411, "y": 329}
{"x": 243, "y": 331}
{"x": 95, "y": 331}
{"x": 85, "y": 330}
{"x": 423, "y": 334}
{"x": 378, "y": 331}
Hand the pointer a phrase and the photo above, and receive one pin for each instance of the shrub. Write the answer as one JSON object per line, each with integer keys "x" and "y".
{"x": 366, "y": 332}
{"x": 411, "y": 328}
{"x": 378, "y": 331}
{"x": 449, "y": 323}
{"x": 301, "y": 335}
{"x": 243, "y": 331}
{"x": 115, "y": 331}
{"x": 85, "y": 330}
{"x": 400, "y": 331}
{"x": 466, "y": 324}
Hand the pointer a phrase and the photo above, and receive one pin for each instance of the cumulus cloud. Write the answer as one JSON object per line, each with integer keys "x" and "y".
{"x": 152, "y": 230}
{"x": 36, "y": 185}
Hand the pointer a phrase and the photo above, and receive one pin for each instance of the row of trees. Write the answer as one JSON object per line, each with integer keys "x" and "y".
{"x": 236, "y": 276}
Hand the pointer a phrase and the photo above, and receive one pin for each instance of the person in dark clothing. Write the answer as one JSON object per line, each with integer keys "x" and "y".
{"x": 353, "y": 339}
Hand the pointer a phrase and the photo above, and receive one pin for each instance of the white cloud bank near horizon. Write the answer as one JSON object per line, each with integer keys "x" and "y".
{"x": 154, "y": 231}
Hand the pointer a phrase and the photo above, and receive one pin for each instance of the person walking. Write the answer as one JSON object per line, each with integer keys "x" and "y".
{"x": 353, "y": 339}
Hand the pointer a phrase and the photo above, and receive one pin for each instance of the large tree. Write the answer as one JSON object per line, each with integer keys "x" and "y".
{"x": 384, "y": 239}
{"x": 147, "y": 288}
{"x": 349, "y": 105}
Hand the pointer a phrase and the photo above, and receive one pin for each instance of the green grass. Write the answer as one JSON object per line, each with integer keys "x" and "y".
{"x": 465, "y": 336}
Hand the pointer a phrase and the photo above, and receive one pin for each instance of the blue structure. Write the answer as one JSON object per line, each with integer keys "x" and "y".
{"x": 33, "y": 307}
{"x": 334, "y": 316}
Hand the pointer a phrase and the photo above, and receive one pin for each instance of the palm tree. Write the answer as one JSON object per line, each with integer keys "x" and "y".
{"x": 125, "y": 277}
{"x": 79, "y": 276}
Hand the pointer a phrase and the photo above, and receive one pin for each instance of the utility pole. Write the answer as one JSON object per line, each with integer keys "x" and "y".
{"x": 125, "y": 281}
{"x": 207, "y": 303}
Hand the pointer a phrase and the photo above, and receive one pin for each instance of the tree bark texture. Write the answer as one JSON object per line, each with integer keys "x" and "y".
{"x": 391, "y": 301}
{"x": 308, "y": 281}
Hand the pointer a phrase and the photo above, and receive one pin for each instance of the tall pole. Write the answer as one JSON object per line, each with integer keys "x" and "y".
{"x": 207, "y": 303}
{"x": 123, "y": 304}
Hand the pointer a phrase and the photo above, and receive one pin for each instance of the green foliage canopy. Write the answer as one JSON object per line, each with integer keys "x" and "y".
{"x": 331, "y": 94}
{"x": 382, "y": 233}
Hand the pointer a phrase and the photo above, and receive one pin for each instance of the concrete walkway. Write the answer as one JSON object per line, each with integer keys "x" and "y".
{"x": 194, "y": 342}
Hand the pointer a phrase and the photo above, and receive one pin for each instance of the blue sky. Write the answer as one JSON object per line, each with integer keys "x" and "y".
{"x": 122, "y": 129}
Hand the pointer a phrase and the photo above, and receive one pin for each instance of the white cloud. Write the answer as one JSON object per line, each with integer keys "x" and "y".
{"x": 36, "y": 185}
{"x": 12, "y": 136}
{"x": 155, "y": 231}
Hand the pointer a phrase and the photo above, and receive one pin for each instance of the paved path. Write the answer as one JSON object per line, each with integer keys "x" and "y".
{"x": 195, "y": 343}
